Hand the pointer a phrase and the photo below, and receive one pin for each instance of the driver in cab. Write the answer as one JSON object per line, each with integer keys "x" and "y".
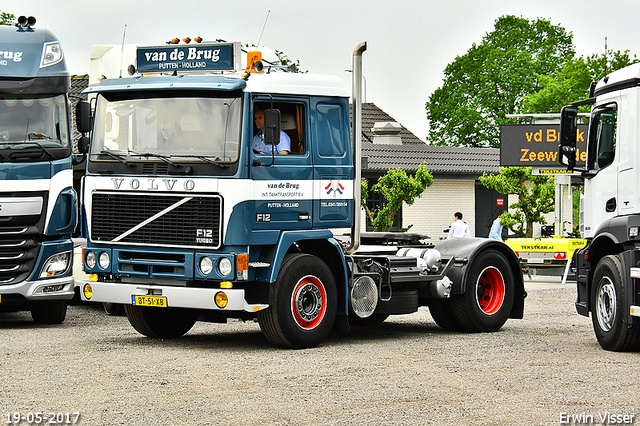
{"x": 283, "y": 148}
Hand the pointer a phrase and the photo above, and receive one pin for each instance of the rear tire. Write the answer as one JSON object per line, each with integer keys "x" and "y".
{"x": 442, "y": 314}
{"x": 490, "y": 291}
{"x": 162, "y": 323}
{"x": 113, "y": 309}
{"x": 607, "y": 304}
{"x": 304, "y": 303}
{"x": 53, "y": 312}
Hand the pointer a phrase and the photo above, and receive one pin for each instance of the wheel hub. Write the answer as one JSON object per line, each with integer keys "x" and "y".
{"x": 490, "y": 290}
{"x": 309, "y": 302}
{"x": 606, "y": 304}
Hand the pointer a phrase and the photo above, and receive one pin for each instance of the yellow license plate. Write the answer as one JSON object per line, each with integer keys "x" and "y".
{"x": 156, "y": 301}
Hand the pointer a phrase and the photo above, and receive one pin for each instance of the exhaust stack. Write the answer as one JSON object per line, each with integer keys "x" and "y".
{"x": 356, "y": 141}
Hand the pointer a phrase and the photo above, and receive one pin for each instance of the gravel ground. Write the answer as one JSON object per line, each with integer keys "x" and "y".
{"x": 543, "y": 369}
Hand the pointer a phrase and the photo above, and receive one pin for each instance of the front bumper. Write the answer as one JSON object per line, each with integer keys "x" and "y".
{"x": 177, "y": 297}
{"x": 49, "y": 289}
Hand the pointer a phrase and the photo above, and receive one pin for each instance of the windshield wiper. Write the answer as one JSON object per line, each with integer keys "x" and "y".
{"x": 118, "y": 157}
{"x": 45, "y": 150}
{"x": 13, "y": 144}
{"x": 161, "y": 157}
{"x": 206, "y": 159}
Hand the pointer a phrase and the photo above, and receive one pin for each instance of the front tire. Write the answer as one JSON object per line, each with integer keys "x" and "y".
{"x": 490, "y": 292}
{"x": 53, "y": 312}
{"x": 162, "y": 323}
{"x": 304, "y": 303}
{"x": 607, "y": 304}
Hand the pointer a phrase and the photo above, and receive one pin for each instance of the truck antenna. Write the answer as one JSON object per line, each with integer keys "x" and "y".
{"x": 124, "y": 34}
{"x": 263, "y": 27}
{"x": 605, "y": 60}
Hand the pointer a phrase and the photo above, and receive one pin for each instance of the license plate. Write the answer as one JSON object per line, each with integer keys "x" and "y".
{"x": 155, "y": 301}
{"x": 535, "y": 260}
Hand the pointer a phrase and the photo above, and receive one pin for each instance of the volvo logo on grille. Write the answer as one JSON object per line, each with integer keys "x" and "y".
{"x": 204, "y": 236}
{"x": 153, "y": 184}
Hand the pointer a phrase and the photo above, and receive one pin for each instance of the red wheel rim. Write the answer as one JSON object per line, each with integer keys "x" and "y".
{"x": 490, "y": 291}
{"x": 308, "y": 302}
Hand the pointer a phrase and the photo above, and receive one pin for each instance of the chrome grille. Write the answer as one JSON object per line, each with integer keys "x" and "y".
{"x": 18, "y": 252}
{"x": 179, "y": 220}
{"x": 20, "y": 240}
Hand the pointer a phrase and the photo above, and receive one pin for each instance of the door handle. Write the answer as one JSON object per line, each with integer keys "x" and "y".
{"x": 610, "y": 205}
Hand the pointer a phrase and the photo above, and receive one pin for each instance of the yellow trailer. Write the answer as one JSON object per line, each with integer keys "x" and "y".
{"x": 546, "y": 252}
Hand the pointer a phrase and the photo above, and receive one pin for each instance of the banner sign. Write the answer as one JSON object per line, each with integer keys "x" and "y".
{"x": 537, "y": 145}
{"x": 188, "y": 57}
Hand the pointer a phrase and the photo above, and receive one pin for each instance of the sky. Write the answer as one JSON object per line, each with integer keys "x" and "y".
{"x": 409, "y": 42}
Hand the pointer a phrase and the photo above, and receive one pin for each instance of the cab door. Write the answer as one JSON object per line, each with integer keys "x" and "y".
{"x": 603, "y": 158}
{"x": 332, "y": 164}
{"x": 283, "y": 184}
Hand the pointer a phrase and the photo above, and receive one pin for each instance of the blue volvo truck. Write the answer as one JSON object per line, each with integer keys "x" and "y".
{"x": 38, "y": 206}
{"x": 220, "y": 187}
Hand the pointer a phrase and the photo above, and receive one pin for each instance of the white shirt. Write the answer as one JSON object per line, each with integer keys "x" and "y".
{"x": 459, "y": 229}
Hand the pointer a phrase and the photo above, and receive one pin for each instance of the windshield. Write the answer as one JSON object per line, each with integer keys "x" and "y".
{"x": 34, "y": 120}
{"x": 183, "y": 129}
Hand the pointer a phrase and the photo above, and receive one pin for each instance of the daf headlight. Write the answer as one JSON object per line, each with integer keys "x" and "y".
{"x": 224, "y": 267}
{"x": 51, "y": 54}
{"x": 103, "y": 260}
{"x": 206, "y": 265}
{"x": 90, "y": 261}
{"x": 57, "y": 265}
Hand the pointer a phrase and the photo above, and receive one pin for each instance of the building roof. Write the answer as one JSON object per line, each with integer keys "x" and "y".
{"x": 439, "y": 159}
{"x": 371, "y": 114}
{"x": 409, "y": 155}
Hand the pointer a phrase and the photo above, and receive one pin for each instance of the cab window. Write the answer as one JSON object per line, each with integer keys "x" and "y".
{"x": 602, "y": 133}
{"x": 292, "y": 123}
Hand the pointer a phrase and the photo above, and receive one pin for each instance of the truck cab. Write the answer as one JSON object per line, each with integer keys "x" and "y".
{"x": 608, "y": 287}
{"x": 38, "y": 207}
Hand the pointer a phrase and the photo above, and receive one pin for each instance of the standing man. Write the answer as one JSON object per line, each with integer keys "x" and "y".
{"x": 283, "y": 148}
{"x": 458, "y": 228}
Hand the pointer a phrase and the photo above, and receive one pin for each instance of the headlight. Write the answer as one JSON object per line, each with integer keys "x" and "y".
{"x": 103, "y": 260}
{"x": 56, "y": 265}
{"x": 51, "y": 55}
{"x": 90, "y": 260}
{"x": 206, "y": 266}
{"x": 224, "y": 266}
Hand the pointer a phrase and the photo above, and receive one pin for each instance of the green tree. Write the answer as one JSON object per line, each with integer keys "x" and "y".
{"x": 294, "y": 66}
{"x": 397, "y": 188}
{"x": 493, "y": 78}
{"x": 6, "y": 18}
{"x": 572, "y": 82}
{"x": 535, "y": 197}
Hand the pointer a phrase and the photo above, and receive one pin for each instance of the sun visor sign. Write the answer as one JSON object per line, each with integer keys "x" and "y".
{"x": 188, "y": 57}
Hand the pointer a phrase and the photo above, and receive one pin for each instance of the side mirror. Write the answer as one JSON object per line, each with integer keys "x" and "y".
{"x": 83, "y": 117}
{"x": 83, "y": 144}
{"x": 568, "y": 136}
{"x": 272, "y": 127}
